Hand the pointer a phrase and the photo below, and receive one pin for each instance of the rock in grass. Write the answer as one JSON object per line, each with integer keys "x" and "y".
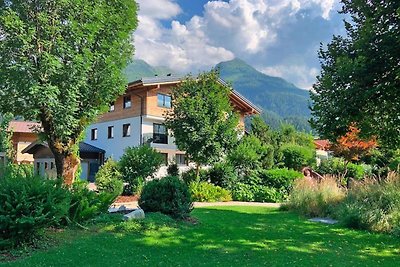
{"x": 137, "y": 214}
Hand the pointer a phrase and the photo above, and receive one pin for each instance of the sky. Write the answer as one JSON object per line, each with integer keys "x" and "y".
{"x": 278, "y": 37}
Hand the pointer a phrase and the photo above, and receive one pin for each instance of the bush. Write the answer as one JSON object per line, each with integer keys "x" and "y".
{"x": 138, "y": 163}
{"x": 316, "y": 199}
{"x": 190, "y": 176}
{"x": 86, "y": 204}
{"x": 222, "y": 174}
{"x": 373, "y": 206}
{"x": 173, "y": 169}
{"x": 296, "y": 157}
{"x": 169, "y": 195}
{"x": 109, "y": 178}
{"x": 17, "y": 170}
{"x": 29, "y": 204}
{"x": 206, "y": 192}
{"x": 280, "y": 179}
{"x": 254, "y": 192}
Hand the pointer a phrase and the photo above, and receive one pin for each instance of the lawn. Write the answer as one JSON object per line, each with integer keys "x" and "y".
{"x": 223, "y": 236}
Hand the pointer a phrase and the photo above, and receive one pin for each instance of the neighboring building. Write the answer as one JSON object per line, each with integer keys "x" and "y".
{"x": 91, "y": 159}
{"x": 322, "y": 148}
{"x": 137, "y": 118}
{"x": 23, "y": 134}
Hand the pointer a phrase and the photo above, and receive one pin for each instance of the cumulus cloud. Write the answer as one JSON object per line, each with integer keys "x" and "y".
{"x": 278, "y": 37}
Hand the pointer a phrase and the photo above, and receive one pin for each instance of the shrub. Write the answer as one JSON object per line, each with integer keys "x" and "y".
{"x": 254, "y": 192}
{"x": 190, "y": 176}
{"x": 280, "y": 179}
{"x": 109, "y": 178}
{"x": 173, "y": 169}
{"x": 138, "y": 163}
{"x": 206, "y": 192}
{"x": 18, "y": 170}
{"x": 373, "y": 206}
{"x": 242, "y": 192}
{"x": 29, "y": 204}
{"x": 296, "y": 157}
{"x": 337, "y": 167}
{"x": 267, "y": 194}
{"x": 169, "y": 195}
{"x": 316, "y": 199}
{"x": 86, "y": 204}
{"x": 222, "y": 174}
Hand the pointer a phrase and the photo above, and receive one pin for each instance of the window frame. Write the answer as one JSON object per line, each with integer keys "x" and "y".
{"x": 126, "y": 133}
{"x": 164, "y": 97}
{"x": 126, "y": 101}
{"x": 185, "y": 161}
{"x": 112, "y": 107}
{"x": 163, "y": 137}
{"x": 110, "y": 136}
{"x": 94, "y": 134}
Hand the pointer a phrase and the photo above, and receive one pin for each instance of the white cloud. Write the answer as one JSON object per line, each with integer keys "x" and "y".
{"x": 253, "y": 30}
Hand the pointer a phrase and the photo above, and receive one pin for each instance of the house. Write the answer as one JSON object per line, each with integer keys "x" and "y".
{"x": 23, "y": 134}
{"x": 137, "y": 117}
{"x": 91, "y": 159}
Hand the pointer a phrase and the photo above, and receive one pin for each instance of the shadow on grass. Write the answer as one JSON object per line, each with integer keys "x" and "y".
{"x": 229, "y": 236}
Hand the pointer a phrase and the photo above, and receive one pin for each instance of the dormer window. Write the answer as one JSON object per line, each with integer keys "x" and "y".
{"x": 127, "y": 101}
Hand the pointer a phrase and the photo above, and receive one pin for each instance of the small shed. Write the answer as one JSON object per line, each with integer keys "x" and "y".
{"x": 91, "y": 159}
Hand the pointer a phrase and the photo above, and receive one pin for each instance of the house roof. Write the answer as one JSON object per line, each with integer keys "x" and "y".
{"x": 322, "y": 144}
{"x": 83, "y": 147}
{"x": 23, "y": 126}
{"x": 242, "y": 102}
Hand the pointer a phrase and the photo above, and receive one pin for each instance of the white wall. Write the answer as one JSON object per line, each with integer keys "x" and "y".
{"x": 114, "y": 147}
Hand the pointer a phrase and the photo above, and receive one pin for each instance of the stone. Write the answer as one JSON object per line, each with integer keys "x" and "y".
{"x": 137, "y": 214}
{"x": 323, "y": 220}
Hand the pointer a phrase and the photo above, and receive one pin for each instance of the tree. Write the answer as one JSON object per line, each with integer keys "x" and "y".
{"x": 360, "y": 77}
{"x": 6, "y": 145}
{"x": 61, "y": 64}
{"x": 202, "y": 120}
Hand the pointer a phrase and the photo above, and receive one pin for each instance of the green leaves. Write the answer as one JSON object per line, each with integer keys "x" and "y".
{"x": 202, "y": 120}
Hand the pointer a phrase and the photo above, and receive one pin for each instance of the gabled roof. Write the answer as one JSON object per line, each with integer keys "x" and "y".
{"x": 23, "y": 126}
{"x": 322, "y": 144}
{"x": 235, "y": 96}
{"x": 83, "y": 147}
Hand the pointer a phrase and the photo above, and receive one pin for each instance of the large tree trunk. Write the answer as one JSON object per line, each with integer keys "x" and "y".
{"x": 67, "y": 165}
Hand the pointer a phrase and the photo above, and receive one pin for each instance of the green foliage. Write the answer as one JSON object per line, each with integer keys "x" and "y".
{"x": 202, "y": 119}
{"x": 296, "y": 157}
{"x": 109, "y": 178}
{"x": 138, "y": 163}
{"x": 338, "y": 167}
{"x": 206, "y": 192}
{"x": 61, "y": 63}
{"x": 86, "y": 204}
{"x": 359, "y": 80}
{"x": 5, "y": 137}
{"x": 222, "y": 174}
{"x": 280, "y": 179}
{"x": 254, "y": 192}
{"x": 173, "y": 169}
{"x": 29, "y": 204}
{"x": 316, "y": 199}
{"x": 190, "y": 176}
{"x": 250, "y": 154}
{"x": 18, "y": 170}
{"x": 168, "y": 195}
{"x": 373, "y": 206}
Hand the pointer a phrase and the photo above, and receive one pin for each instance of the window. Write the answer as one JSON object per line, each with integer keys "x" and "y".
{"x": 164, "y": 101}
{"x": 110, "y": 132}
{"x": 165, "y": 158}
{"x": 112, "y": 107}
{"x": 94, "y": 134}
{"x": 126, "y": 130}
{"x": 181, "y": 159}
{"x": 127, "y": 101}
{"x": 160, "y": 135}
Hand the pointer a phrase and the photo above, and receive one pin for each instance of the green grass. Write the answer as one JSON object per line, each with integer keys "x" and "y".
{"x": 224, "y": 236}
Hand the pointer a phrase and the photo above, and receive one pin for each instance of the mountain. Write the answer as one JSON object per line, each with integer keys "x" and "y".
{"x": 280, "y": 100}
{"x": 140, "y": 68}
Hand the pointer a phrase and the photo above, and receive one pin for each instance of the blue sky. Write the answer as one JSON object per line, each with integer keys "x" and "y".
{"x": 277, "y": 37}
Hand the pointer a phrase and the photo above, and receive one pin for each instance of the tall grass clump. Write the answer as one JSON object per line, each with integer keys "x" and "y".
{"x": 373, "y": 205}
{"x": 313, "y": 199}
